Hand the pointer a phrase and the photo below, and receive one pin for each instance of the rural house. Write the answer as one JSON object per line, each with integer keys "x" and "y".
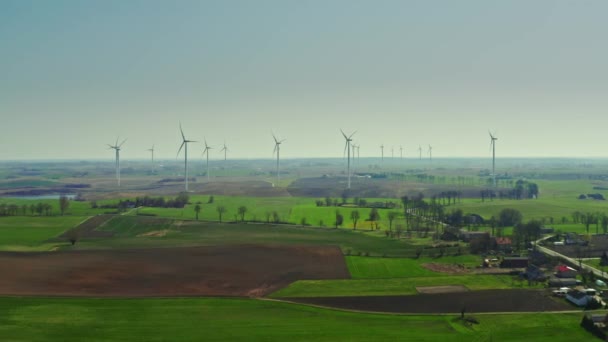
{"x": 503, "y": 244}
{"x": 514, "y": 262}
{"x": 577, "y": 297}
{"x": 561, "y": 282}
{"x": 467, "y": 236}
{"x": 563, "y": 271}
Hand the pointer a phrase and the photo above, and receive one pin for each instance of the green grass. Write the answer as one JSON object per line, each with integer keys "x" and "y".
{"x": 128, "y": 231}
{"x": 30, "y": 233}
{"x": 367, "y": 267}
{"x": 43, "y": 319}
{"x": 394, "y": 286}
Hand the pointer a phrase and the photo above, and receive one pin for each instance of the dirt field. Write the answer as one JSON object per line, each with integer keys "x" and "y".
{"x": 249, "y": 270}
{"x": 441, "y": 289}
{"x": 472, "y": 301}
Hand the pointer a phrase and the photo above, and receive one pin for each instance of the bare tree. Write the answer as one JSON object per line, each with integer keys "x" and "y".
{"x": 221, "y": 210}
{"x": 242, "y": 210}
{"x": 64, "y": 204}
{"x": 391, "y": 217}
{"x": 197, "y": 210}
{"x": 354, "y": 216}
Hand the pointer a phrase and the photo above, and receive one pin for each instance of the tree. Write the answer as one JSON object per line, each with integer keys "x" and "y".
{"x": 339, "y": 219}
{"x": 354, "y": 216}
{"x": 391, "y": 217}
{"x": 242, "y": 210}
{"x": 64, "y": 204}
{"x": 73, "y": 236}
{"x": 197, "y": 210}
{"x": 509, "y": 217}
{"x": 221, "y": 210}
{"x": 374, "y": 216}
{"x": 211, "y": 199}
{"x": 275, "y": 217}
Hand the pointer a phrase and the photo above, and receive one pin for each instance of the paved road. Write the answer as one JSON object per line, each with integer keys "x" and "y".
{"x": 573, "y": 261}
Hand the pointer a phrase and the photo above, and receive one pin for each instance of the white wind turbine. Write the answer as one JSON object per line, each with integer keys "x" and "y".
{"x": 420, "y": 152}
{"x": 185, "y": 145}
{"x": 493, "y": 143}
{"x": 117, "y": 147}
{"x": 225, "y": 150}
{"x": 206, "y": 151}
{"x": 152, "y": 151}
{"x": 401, "y": 152}
{"x": 430, "y": 153}
{"x": 382, "y": 151}
{"x": 347, "y": 149}
{"x": 277, "y": 150}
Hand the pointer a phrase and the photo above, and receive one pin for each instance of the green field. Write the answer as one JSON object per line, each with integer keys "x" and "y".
{"x": 395, "y": 286}
{"x": 19, "y": 233}
{"x": 42, "y": 319}
{"x": 368, "y": 267}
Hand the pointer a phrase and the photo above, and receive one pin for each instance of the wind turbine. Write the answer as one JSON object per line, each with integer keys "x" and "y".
{"x": 382, "y": 151}
{"x": 117, "y": 147}
{"x": 401, "y": 152}
{"x": 348, "y": 139}
{"x": 420, "y": 152}
{"x": 430, "y": 153}
{"x": 277, "y": 150}
{"x": 392, "y": 152}
{"x": 225, "y": 150}
{"x": 206, "y": 151}
{"x": 152, "y": 151}
{"x": 185, "y": 145}
{"x": 354, "y": 153}
{"x": 493, "y": 143}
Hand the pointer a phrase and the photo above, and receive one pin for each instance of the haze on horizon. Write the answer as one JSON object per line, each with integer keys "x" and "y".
{"x": 77, "y": 74}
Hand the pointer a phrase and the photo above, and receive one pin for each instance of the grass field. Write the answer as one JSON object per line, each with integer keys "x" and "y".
{"x": 42, "y": 319}
{"x": 367, "y": 267}
{"x": 128, "y": 230}
{"x": 394, "y": 286}
{"x": 19, "y": 233}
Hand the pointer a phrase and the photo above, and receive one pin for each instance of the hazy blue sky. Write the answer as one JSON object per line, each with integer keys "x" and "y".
{"x": 74, "y": 75}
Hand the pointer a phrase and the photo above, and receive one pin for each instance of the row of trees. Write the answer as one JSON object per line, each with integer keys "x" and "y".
{"x": 590, "y": 218}
{"x": 39, "y": 209}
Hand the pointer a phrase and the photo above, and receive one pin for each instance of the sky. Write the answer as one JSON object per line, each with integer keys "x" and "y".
{"x": 76, "y": 75}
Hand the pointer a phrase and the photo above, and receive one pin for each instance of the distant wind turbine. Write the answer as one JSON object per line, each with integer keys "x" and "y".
{"x": 392, "y": 152}
{"x": 117, "y": 147}
{"x": 401, "y": 152}
{"x": 493, "y": 144}
{"x": 430, "y": 153}
{"x": 152, "y": 151}
{"x": 206, "y": 151}
{"x": 225, "y": 150}
{"x": 185, "y": 146}
{"x": 277, "y": 150}
{"x": 420, "y": 152}
{"x": 348, "y": 139}
{"x": 382, "y": 151}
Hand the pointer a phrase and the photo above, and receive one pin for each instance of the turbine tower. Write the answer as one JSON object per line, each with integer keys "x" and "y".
{"x": 392, "y": 152}
{"x": 493, "y": 143}
{"x": 430, "y": 153}
{"x": 348, "y": 139}
{"x": 401, "y": 152}
{"x": 117, "y": 147}
{"x": 277, "y": 150}
{"x": 152, "y": 151}
{"x": 206, "y": 151}
{"x": 382, "y": 152}
{"x": 420, "y": 152}
{"x": 185, "y": 146}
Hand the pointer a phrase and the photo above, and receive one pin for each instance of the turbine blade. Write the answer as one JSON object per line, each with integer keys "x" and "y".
{"x": 122, "y": 143}
{"x": 182, "y": 131}
{"x": 180, "y": 148}
{"x": 350, "y": 136}
{"x": 275, "y": 138}
{"x": 344, "y": 134}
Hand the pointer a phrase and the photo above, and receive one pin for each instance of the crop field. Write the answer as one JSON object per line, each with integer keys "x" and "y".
{"x": 396, "y": 286}
{"x": 213, "y": 319}
{"x": 472, "y": 301}
{"x": 368, "y": 267}
{"x": 212, "y": 271}
{"x": 21, "y": 233}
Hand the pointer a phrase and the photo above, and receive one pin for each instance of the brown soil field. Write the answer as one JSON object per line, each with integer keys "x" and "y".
{"x": 245, "y": 270}
{"x": 472, "y": 301}
{"x": 445, "y": 268}
{"x": 441, "y": 289}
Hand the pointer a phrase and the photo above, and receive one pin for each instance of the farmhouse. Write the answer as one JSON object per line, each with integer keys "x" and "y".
{"x": 514, "y": 262}
{"x": 563, "y": 271}
{"x": 577, "y": 297}
{"x": 467, "y": 236}
{"x": 503, "y": 244}
{"x": 561, "y": 282}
